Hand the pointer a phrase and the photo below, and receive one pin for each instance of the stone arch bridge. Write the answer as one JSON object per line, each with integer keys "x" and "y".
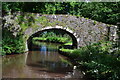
{"x": 82, "y": 30}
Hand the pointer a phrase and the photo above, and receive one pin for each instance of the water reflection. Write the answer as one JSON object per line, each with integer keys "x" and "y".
{"x": 43, "y": 48}
{"x": 43, "y": 61}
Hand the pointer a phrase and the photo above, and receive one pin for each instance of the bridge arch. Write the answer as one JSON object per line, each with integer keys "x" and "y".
{"x": 66, "y": 30}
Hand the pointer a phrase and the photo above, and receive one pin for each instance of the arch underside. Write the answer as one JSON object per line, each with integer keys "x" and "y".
{"x": 74, "y": 39}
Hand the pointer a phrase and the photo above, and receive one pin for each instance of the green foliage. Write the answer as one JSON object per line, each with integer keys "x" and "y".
{"x": 107, "y": 12}
{"x": 39, "y": 38}
{"x": 97, "y": 60}
{"x": 100, "y": 71}
{"x": 68, "y": 43}
{"x": 17, "y": 46}
{"x": 56, "y": 39}
{"x": 0, "y": 47}
{"x": 51, "y": 39}
{"x": 67, "y": 50}
{"x": 53, "y": 36}
{"x": 12, "y": 44}
{"x": 50, "y": 8}
{"x": 48, "y": 34}
{"x": 8, "y": 6}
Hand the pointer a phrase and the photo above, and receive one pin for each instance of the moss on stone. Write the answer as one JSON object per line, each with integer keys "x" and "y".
{"x": 79, "y": 25}
{"x": 95, "y": 22}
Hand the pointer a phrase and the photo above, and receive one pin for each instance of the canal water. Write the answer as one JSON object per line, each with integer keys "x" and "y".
{"x": 43, "y": 62}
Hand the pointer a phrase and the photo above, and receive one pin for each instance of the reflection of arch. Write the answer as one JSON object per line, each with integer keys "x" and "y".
{"x": 69, "y": 32}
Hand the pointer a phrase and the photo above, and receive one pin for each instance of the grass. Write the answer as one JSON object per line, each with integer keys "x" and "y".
{"x": 51, "y": 39}
{"x": 39, "y": 38}
{"x": 68, "y": 43}
{"x": 66, "y": 50}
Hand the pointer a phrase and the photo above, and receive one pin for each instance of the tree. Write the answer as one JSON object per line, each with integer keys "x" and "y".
{"x": 107, "y": 12}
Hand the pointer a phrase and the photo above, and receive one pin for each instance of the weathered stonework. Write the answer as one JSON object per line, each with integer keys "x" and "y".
{"x": 84, "y": 30}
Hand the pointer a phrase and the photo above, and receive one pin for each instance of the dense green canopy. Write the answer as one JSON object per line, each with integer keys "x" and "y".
{"x": 107, "y": 12}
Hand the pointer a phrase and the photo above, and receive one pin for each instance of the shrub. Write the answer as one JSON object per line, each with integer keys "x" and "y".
{"x": 12, "y": 45}
{"x": 97, "y": 61}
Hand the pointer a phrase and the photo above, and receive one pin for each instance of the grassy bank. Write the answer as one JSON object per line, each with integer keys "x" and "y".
{"x": 51, "y": 39}
{"x": 98, "y": 61}
{"x": 55, "y": 36}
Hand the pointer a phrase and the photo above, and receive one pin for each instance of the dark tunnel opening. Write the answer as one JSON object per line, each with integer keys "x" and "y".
{"x": 57, "y": 31}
